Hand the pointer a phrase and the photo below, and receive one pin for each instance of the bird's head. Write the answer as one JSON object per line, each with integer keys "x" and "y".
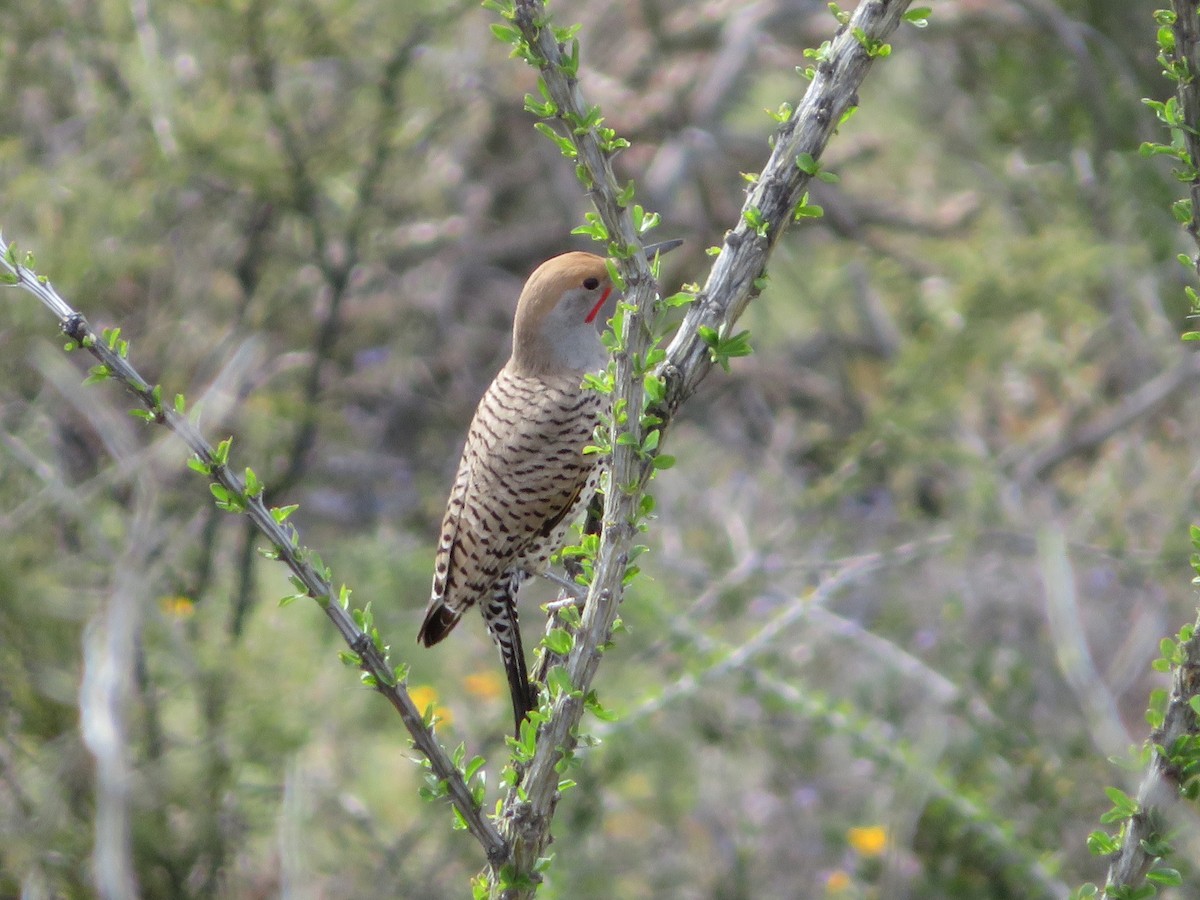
{"x": 556, "y": 315}
{"x": 555, "y": 325}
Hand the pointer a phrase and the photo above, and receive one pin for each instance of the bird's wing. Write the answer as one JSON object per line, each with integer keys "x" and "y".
{"x": 522, "y": 471}
{"x": 441, "y": 618}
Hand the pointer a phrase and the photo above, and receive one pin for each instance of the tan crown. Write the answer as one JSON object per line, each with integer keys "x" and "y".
{"x": 547, "y": 286}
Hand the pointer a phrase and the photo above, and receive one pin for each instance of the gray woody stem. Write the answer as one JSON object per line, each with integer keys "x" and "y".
{"x": 1187, "y": 94}
{"x": 527, "y": 814}
{"x": 285, "y": 540}
{"x": 1160, "y": 785}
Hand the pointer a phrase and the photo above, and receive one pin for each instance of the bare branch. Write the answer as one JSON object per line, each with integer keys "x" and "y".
{"x": 1132, "y": 407}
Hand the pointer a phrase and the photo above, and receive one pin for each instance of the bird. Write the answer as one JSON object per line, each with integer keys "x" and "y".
{"x": 523, "y": 478}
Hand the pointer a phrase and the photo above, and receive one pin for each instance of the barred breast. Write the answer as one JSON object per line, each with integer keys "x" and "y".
{"x": 522, "y": 481}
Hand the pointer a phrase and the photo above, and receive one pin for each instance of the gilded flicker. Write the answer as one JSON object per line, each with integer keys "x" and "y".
{"x": 524, "y": 478}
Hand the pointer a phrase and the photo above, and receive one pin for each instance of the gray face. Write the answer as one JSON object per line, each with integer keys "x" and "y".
{"x": 573, "y": 341}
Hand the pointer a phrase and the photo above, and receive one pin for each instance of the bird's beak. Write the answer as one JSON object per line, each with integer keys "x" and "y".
{"x": 662, "y": 247}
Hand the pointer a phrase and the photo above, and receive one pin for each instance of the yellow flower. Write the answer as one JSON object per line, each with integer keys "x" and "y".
{"x": 178, "y": 606}
{"x": 483, "y": 685}
{"x": 423, "y": 696}
{"x": 870, "y": 840}
{"x": 837, "y": 882}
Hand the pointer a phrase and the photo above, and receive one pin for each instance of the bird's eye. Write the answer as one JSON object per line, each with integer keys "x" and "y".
{"x": 591, "y": 283}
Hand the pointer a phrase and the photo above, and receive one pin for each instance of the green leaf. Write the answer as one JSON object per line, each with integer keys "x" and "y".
{"x": 806, "y": 210}
{"x": 644, "y": 221}
{"x": 655, "y": 387}
{"x": 782, "y": 114}
{"x": 614, "y": 275}
{"x": 1101, "y": 843}
{"x": 1168, "y": 877}
{"x": 593, "y": 705}
{"x": 280, "y": 513}
{"x": 918, "y": 17}
{"x": 682, "y": 298}
{"x": 558, "y": 680}
{"x": 1124, "y": 806}
{"x": 506, "y": 33}
{"x": 253, "y": 485}
{"x": 97, "y": 374}
{"x": 753, "y": 217}
{"x": 559, "y": 641}
{"x": 563, "y": 143}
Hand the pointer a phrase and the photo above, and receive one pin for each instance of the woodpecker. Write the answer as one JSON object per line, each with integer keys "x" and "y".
{"x": 523, "y": 478}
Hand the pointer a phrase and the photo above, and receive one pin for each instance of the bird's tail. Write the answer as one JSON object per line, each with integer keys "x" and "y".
{"x": 440, "y": 619}
{"x": 501, "y": 615}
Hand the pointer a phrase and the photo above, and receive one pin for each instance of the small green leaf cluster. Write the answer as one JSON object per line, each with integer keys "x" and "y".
{"x": 809, "y": 166}
{"x": 820, "y": 54}
{"x": 11, "y": 275}
{"x": 508, "y": 880}
{"x": 365, "y": 619}
{"x": 874, "y": 46}
{"x": 1182, "y": 138}
{"x": 753, "y": 217}
{"x": 509, "y": 33}
{"x": 546, "y": 107}
{"x": 1182, "y": 760}
{"x": 1175, "y": 66}
{"x": 473, "y": 774}
{"x": 781, "y": 115}
{"x": 112, "y": 339}
{"x": 584, "y": 553}
{"x": 1169, "y": 113}
{"x": 722, "y": 346}
{"x": 1193, "y": 298}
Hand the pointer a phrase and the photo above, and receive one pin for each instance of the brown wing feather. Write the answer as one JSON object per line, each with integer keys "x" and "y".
{"x": 440, "y": 619}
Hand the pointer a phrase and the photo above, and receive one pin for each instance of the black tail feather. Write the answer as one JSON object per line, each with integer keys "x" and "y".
{"x": 439, "y": 621}
{"x": 518, "y": 676}
{"x": 500, "y": 614}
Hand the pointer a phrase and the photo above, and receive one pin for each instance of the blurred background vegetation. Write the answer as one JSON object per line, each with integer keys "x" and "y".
{"x": 907, "y": 576}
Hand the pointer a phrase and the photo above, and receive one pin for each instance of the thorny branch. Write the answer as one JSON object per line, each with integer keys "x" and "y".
{"x": 736, "y": 278}
{"x": 1161, "y": 784}
{"x": 284, "y": 539}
